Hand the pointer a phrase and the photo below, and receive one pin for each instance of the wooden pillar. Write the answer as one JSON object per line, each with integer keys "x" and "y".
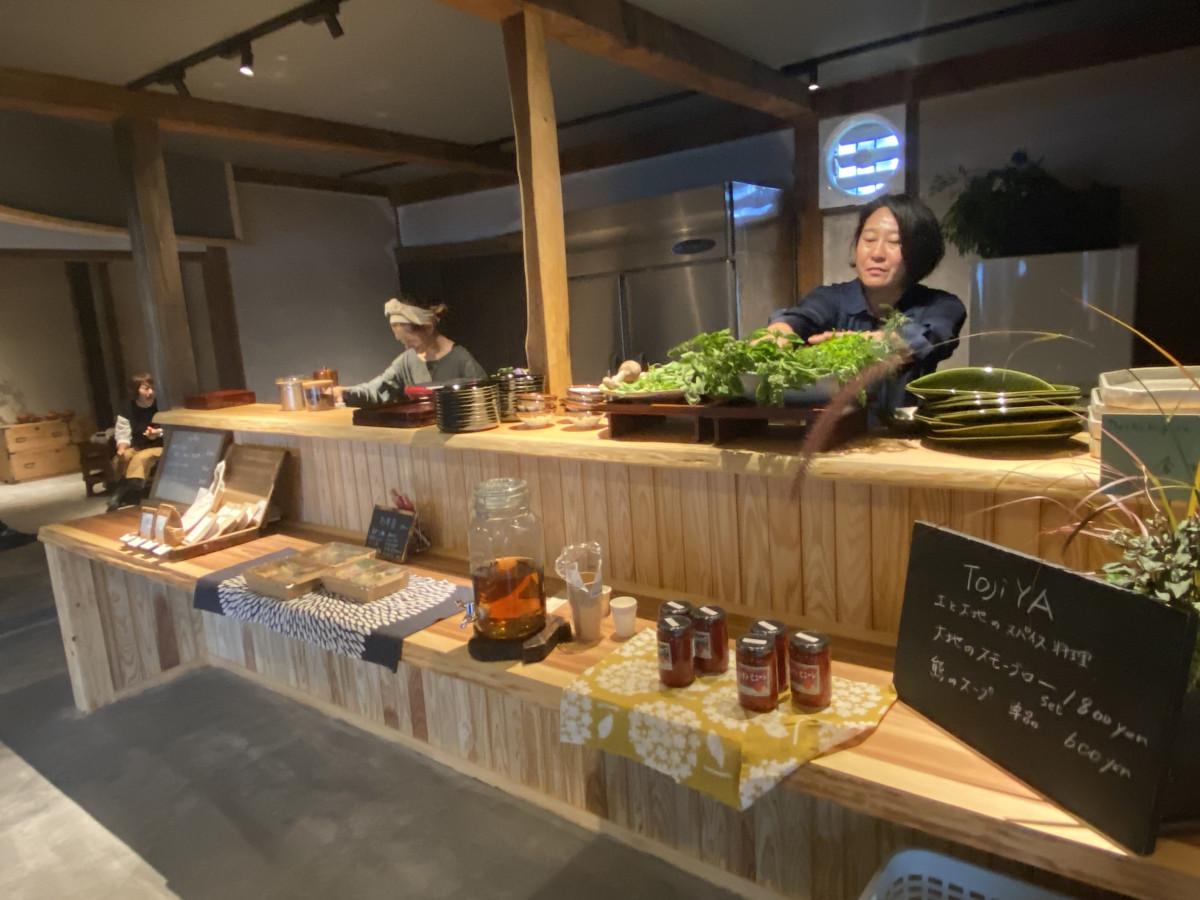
{"x": 547, "y": 340}
{"x": 222, "y": 317}
{"x": 810, "y": 224}
{"x": 84, "y": 301}
{"x": 156, "y": 259}
{"x": 912, "y": 147}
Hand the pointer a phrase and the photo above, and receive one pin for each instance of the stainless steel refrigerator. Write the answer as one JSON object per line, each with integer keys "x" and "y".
{"x": 643, "y": 276}
{"x": 646, "y": 275}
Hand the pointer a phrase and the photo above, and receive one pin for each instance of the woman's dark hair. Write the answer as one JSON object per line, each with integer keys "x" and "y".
{"x": 921, "y": 240}
{"x": 136, "y": 381}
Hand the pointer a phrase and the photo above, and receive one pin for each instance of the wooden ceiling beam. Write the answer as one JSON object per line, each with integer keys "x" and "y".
{"x": 636, "y": 38}
{"x": 59, "y": 95}
{"x": 277, "y": 178}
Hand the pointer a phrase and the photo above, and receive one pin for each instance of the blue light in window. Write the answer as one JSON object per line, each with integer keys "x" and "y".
{"x": 845, "y": 149}
{"x": 890, "y": 140}
{"x": 888, "y": 165}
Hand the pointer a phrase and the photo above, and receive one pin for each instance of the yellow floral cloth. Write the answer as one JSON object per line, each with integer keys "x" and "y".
{"x": 700, "y": 735}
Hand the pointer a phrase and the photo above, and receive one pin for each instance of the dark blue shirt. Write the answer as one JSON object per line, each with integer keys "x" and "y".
{"x": 931, "y": 332}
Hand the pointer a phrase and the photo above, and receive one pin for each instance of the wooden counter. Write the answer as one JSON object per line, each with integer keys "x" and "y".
{"x": 128, "y": 624}
{"x": 731, "y": 524}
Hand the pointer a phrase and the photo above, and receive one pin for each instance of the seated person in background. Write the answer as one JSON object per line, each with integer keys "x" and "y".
{"x": 430, "y": 357}
{"x": 897, "y": 244}
{"x": 139, "y": 443}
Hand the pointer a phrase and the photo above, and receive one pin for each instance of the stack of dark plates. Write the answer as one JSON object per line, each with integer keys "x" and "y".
{"x": 976, "y": 407}
{"x": 467, "y": 406}
{"x": 511, "y": 382}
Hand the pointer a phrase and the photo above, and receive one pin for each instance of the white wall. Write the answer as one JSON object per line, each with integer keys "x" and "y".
{"x": 309, "y": 284}
{"x": 41, "y": 352}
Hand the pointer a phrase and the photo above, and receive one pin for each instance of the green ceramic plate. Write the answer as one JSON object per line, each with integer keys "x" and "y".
{"x": 1000, "y": 414}
{"x": 998, "y": 439}
{"x": 1068, "y": 425}
{"x": 1054, "y": 391}
{"x": 957, "y": 404}
{"x": 971, "y": 378}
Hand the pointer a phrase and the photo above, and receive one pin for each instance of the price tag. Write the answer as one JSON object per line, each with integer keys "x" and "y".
{"x": 390, "y": 532}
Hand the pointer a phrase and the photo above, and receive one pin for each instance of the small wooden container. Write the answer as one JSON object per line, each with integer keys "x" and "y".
{"x": 336, "y": 554}
{"x": 366, "y": 580}
{"x": 285, "y": 579}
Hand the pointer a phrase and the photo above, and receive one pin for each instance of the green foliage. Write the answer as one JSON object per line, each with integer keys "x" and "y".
{"x": 1022, "y": 209}
{"x": 711, "y": 365}
{"x": 1163, "y": 563}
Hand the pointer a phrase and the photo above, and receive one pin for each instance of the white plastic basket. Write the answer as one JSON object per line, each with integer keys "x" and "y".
{"x": 923, "y": 875}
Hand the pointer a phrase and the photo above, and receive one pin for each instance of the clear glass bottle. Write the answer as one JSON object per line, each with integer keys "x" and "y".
{"x": 507, "y": 559}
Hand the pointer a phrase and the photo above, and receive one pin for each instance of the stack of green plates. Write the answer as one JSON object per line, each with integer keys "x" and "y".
{"x": 979, "y": 406}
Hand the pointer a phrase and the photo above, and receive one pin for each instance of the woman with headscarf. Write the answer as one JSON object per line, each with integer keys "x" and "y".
{"x": 429, "y": 358}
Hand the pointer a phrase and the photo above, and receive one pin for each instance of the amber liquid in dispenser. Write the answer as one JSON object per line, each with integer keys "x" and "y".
{"x": 509, "y": 598}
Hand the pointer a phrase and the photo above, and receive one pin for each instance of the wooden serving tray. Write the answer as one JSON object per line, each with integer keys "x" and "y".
{"x": 718, "y": 423}
{"x": 415, "y": 414}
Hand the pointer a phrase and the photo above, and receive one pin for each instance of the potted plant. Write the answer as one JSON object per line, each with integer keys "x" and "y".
{"x": 1021, "y": 209}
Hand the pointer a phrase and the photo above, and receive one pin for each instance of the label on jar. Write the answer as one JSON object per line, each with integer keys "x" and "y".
{"x": 702, "y": 645}
{"x": 754, "y": 681}
{"x": 665, "y": 663}
{"x": 806, "y": 678}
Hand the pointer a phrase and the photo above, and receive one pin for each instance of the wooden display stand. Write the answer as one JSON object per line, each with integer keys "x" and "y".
{"x": 719, "y": 423}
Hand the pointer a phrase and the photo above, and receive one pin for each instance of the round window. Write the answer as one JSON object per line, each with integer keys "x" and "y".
{"x": 863, "y": 156}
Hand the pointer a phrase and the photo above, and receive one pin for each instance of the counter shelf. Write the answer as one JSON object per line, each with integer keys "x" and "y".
{"x": 129, "y": 624}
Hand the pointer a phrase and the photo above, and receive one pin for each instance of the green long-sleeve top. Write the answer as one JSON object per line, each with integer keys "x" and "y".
{"x": 408, "y": 368}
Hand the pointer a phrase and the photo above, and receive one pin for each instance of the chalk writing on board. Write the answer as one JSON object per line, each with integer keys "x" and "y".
{"x": 187, "y": 464}
{"x": 390, "y": 532}
{"x": 1072, "y": 684}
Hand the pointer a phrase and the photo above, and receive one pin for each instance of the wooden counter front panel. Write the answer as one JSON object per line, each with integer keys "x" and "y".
{"x": 830, "y": 551}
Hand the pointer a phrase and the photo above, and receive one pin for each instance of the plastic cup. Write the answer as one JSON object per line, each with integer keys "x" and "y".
{"x": 585, "y": 614}
{"x": 624, "y": 615}
{"x": 605, "y": 600}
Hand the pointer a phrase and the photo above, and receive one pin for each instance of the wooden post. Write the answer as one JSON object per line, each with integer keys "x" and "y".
{"x": 912, "y": 146}
{"x": 547, "y": 340}
{"x": 156, "y": 259}
{"x": 222, "y": 318}
{"x": 103, "y": 407}
{"x": 810, "y": 224}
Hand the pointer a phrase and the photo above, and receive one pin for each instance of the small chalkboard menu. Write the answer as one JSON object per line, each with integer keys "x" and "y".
{"x": 189, "y": 457}
{"x": 390, "y": 532}
{"x": 1071, "y": 684}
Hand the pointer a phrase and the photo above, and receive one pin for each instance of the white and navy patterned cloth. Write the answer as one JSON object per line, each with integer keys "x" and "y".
{"x": 373, "y": 632}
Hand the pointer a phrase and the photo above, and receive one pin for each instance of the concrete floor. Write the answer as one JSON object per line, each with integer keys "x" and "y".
{"x": 214, "y": 787}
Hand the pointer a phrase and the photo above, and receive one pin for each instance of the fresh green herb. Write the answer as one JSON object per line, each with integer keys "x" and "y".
{"x": 715, "y": 364}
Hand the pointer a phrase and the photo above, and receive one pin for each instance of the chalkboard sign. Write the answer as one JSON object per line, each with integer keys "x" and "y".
{"x": 390, "y": 531}
{"x": 1169, "y": 447}
{"x": 1071, "y": 684}
{"x": 189, "y": 457}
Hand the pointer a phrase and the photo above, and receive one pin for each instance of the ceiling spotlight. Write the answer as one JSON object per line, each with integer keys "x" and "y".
{"x": 247, "y": 66}
{"x": 330, "y": 17}
{"x": 180, "y": 85}
{"x": 814, "y": 83}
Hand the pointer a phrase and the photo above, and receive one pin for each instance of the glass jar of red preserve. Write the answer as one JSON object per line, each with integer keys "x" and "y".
{"x": 675, "y": 655}
{"x": 808, "y": 671}
{"x": 777, "y": 632}
{"x": 757, "y": 679}
{"x": 675, "y": 608}
{"x": 710, "y": 639}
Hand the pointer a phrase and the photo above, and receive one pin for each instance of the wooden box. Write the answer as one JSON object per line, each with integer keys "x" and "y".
{"x": 285, "y": 579}
{"x": 219, "y": 399}
{"x": 251, "y": 473}
{"x": 45, "y": 462}
{"x": 36, "y": 436}
{"x": 366, "y": 580}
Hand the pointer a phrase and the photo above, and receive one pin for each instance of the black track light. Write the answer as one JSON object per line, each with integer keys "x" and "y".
{"x": 329, "y": 16}
{"x": 247, "y": 66}
{"x": 814, "y": 82}
{"x": 334, "y": 26}
{"x": 180, "y": 86}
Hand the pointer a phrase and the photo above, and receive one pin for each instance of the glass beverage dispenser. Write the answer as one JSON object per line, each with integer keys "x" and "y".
{"x": 507, "y": 561}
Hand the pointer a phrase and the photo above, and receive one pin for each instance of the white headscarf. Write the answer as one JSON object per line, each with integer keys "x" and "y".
{"x": 397, "y": 311}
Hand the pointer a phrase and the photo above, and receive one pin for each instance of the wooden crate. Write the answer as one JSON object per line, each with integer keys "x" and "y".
{"x": 28, "y": 465}
{"x": 718, "y": 423}
{"x": 35, "y": 436}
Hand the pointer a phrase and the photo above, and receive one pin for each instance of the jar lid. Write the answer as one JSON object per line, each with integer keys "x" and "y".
{"x": 318, "y": 382}
{"x": 708, "y": 614}
{"x": 808, "y": 641}
{"x": 674, "y": 625}
{"x": 755, "y": 645}
{"x": 496, "y": 496}
{"x": 767, "y": 626}
{"x": 675, "y": 608}
{"x": 290, "y": 379}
